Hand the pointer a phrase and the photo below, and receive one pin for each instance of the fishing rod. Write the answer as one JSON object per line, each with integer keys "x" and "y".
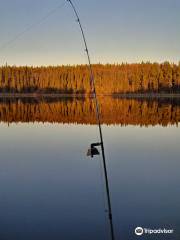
{"x": 93, "y": 151}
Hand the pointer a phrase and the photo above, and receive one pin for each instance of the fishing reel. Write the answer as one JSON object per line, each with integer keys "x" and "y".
{"x": 93, "y": 151}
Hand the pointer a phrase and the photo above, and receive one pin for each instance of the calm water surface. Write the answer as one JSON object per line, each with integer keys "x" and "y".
{"x": 51, "y": 190}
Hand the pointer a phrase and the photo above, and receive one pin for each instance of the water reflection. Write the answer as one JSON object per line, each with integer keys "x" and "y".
{"x": 51, "y": 190}
{"x": 143, "y": 112}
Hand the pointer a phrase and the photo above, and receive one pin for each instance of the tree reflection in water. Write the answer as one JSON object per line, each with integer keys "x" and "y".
{"x": 121, "y": 111}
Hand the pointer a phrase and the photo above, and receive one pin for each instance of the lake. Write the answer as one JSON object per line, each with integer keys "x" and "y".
{"x": 50, "y": 189}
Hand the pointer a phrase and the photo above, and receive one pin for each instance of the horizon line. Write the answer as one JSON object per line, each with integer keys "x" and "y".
{"x": 98, "y": 63}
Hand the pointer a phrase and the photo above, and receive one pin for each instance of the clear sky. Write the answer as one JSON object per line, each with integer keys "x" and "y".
{"x": 116, "y": 31}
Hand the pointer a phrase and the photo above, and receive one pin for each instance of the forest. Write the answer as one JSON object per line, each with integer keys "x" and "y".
{"x": 110, "y": 78}
{"x": 142, "y": 112}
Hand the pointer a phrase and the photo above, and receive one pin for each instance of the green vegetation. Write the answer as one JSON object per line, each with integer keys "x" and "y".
{"x": 110, "y": 79}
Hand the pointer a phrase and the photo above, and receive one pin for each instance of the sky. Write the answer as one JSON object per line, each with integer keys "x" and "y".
{"x": 44, "y": 32}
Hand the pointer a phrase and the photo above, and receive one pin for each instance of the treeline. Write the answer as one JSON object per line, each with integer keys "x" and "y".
{"x": 110, "y": 79}
{"x": 82, "y": 111}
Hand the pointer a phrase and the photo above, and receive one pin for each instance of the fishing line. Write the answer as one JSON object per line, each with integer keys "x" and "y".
{"x": 93, "y": 88}
{"x": 32, "y": 26}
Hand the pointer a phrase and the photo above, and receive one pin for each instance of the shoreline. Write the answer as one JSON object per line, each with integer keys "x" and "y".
{"x": 61, "y": 95}
{"x": 146, "y": 95}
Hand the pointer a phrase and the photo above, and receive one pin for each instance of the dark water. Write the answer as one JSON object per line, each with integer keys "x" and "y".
{"x": 49, "y": 189}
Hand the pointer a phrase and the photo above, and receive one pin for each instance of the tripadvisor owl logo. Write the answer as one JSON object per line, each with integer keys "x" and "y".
{"x": 139, "y": 231}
